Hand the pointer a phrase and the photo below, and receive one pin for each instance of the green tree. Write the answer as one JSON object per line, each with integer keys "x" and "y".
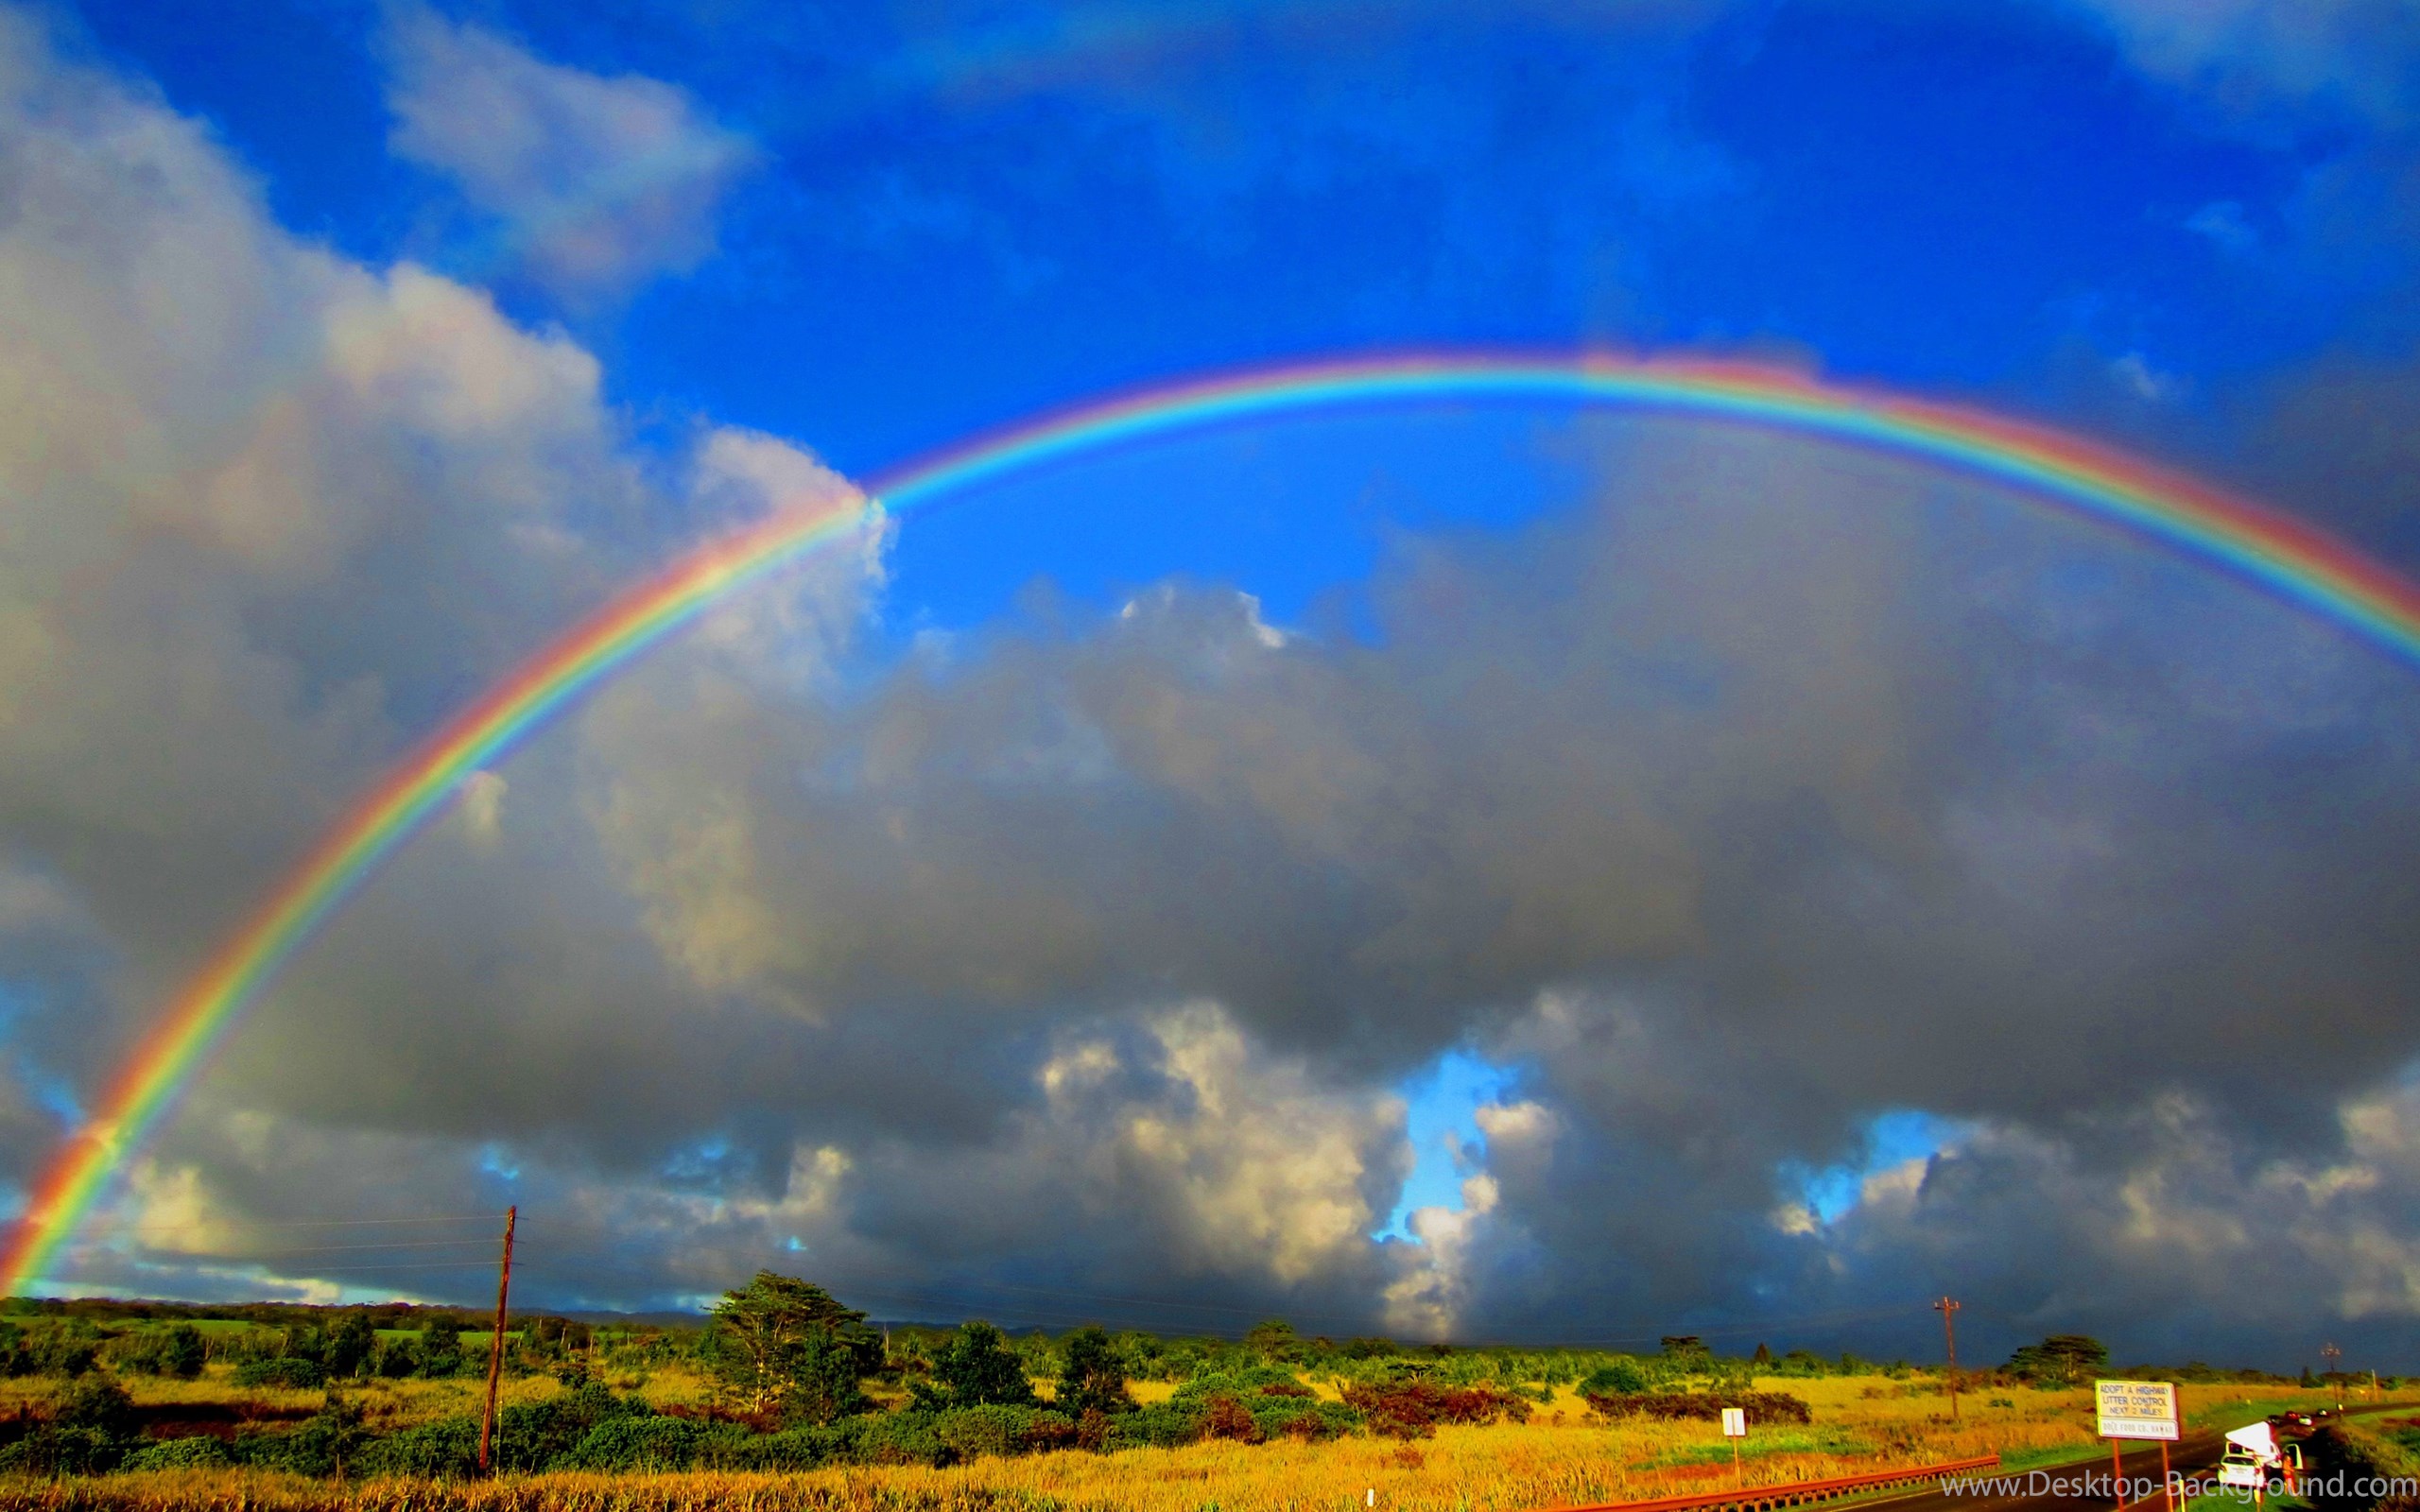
{"x": 1618, "y": 1377}
{"x": 1274, "y": 1341}
{"x": 2064, "y": 1357}
{"x": 824, "y": 1375}
{"x": 352, "y": 1344}
{"x": 1091, "y": 1376}
{"x": 441, "y": 1347}
{"x": 976, "y": 1368}
{"x": 780, "y": 1343}
{"x": 183, "y": 1353}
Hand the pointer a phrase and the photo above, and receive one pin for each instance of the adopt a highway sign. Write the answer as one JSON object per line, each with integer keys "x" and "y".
{"x": 2136, "y": 1409}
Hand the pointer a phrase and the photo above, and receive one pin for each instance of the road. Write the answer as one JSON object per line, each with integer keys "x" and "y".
{"x": 2195, "y": 1454}
{"x": 2079, "y": 1486}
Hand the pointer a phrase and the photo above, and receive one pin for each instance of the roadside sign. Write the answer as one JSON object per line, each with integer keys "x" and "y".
{"x": 2136, "y": 1409}
{"x": 1734, "y": 1422}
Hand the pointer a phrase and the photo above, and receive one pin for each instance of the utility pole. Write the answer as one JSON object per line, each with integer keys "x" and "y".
{"x": 1947, "y": 1308}
{"x": 2330, "y": 1353}
{"x": 495, "y": 1340}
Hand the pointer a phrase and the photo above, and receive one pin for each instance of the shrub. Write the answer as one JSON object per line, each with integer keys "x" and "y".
{"x": 1091, "y": 1376}
{"x": 350, "y": 1345}
{"x": 1413, "y": 1409}
{"x": 897, "y": 1438}
{"x": 396, "y": 1359}
{"x": 51, "y": 1449}
{"x": 330, "y": 1441}
{"x": 1761, "y": 1406}
{"x": 629, "y": 1443}
{"x": 173, "y": 1351}
{"x": 1161, "y": 1425}
{"x": 448, "y": 1449}
{"x": 540, "y": 1434}
{"x": 100, "y": 1404}
{"x": 999, "y": 1429}
{"x": 889, "y": 1438}
{"x": 976, "y": 1368}
{"x": 1226, "y": 1417}
{"x": 1621, "y": 1376}
{"x": 292, "y": 1372}
{"x": 1294, "y": 1418}
{"x": 179, "y": 1455}
{"x": 792, "y": 1449}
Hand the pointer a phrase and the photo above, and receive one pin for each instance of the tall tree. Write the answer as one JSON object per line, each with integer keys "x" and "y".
{"x": 2061, "y": 1357}
{"x": 976, "y": 1368}
{"x": 1091, "y": 1376}
{"x": 782, "y": 1343}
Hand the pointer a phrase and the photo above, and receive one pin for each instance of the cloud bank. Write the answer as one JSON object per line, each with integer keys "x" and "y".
{"x": 1073, "y": 971}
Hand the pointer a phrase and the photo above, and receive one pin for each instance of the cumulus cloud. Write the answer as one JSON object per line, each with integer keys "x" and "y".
{"x": 600, "y": 184}
{"x": 272, "y": 513}
{"x": 1072, "y": 974}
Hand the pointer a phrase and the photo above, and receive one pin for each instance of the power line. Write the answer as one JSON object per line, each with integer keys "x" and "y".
{"x": 297, "y": 1223}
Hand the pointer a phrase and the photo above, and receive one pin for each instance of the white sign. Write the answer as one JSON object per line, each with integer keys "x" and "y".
{"x": 1734, "y": 1422}
{"x": 2136, "y": 1409}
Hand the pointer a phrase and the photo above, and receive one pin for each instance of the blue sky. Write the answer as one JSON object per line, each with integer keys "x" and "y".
{"x": 1187, "y": 849}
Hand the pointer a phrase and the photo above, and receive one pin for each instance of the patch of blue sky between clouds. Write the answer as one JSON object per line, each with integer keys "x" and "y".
{"x": 1442, "y": 1102}
{"x": 1890, "y": 1138}
{"x": 51, "y": 1093}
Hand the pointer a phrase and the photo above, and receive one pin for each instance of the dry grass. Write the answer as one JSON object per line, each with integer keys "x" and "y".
{"x": 1563, "y": 1456}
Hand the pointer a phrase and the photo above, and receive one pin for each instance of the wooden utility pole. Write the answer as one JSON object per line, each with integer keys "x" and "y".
{"x": 2335, "y": 1357}
{"x": 1947, "y": 1308}
{"x": 495, "y": 1340}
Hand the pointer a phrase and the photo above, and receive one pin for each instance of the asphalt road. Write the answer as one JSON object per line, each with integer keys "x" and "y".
{"x": 2079, "y": 1486}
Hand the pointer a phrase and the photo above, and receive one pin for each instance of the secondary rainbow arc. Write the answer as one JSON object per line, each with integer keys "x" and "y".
{"x": 2283, "y": 555}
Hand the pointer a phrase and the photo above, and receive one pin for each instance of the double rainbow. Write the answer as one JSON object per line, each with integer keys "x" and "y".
{"x": 2282, "y": 555}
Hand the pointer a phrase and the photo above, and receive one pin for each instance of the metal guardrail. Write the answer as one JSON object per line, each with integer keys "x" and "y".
{"x": 1795, "y": 1493}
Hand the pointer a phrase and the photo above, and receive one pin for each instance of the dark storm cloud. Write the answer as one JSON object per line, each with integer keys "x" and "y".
{"x": 1067, "y": 968}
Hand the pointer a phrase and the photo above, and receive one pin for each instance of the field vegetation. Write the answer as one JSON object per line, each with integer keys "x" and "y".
{"x": 784, "y": 1398}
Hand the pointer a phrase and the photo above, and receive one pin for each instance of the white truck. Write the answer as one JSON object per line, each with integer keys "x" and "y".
{"x": 2257, "y": 1458}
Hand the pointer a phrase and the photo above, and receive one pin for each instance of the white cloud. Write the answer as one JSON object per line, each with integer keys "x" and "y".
{"x": 482, "y": 807}
{"x": 2248, "y": 53}
{"x": 1258, "y": 1165}
{"x": 601, "y": 182}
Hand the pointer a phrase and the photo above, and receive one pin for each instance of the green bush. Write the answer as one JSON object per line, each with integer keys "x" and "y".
{"x": 100, "y": 1404}
{"x": 629, "y": 1443}
{"x": 792, "y": 1449}
{"x": 1620, "y": 1377}
{"x": 1295, "y": 1417}
{"x": 1161, "y": 1425}
{"x": 999, "y": 1430}
{"x": 538, "y": 1436}
{"x": 179, "y": 1455}
{"x": 448, "y": 1449}
{"x": 293, "y": 1372}
{"x": 396, "y": 1358}
{"x": 51, "y": 1449}
{"x": 329, "y": 1441}
{"x": 976, "y": 1368}
{"x": 896, "y": 1438}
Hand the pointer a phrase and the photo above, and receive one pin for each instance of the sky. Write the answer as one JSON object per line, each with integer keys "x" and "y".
{"x": 1494, "y": 873}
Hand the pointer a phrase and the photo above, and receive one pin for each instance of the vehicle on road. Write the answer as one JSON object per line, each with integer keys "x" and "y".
{"x": 2260, "y": 1458}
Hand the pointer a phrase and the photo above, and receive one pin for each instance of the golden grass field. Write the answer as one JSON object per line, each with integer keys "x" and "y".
{"x": 1562, "y": 1456}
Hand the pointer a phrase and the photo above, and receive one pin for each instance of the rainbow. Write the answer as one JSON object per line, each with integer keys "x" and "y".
{"x": 2261, "y": 545}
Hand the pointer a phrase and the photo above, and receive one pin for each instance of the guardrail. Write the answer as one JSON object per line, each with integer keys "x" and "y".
{"x": 1795, "y": 1493}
